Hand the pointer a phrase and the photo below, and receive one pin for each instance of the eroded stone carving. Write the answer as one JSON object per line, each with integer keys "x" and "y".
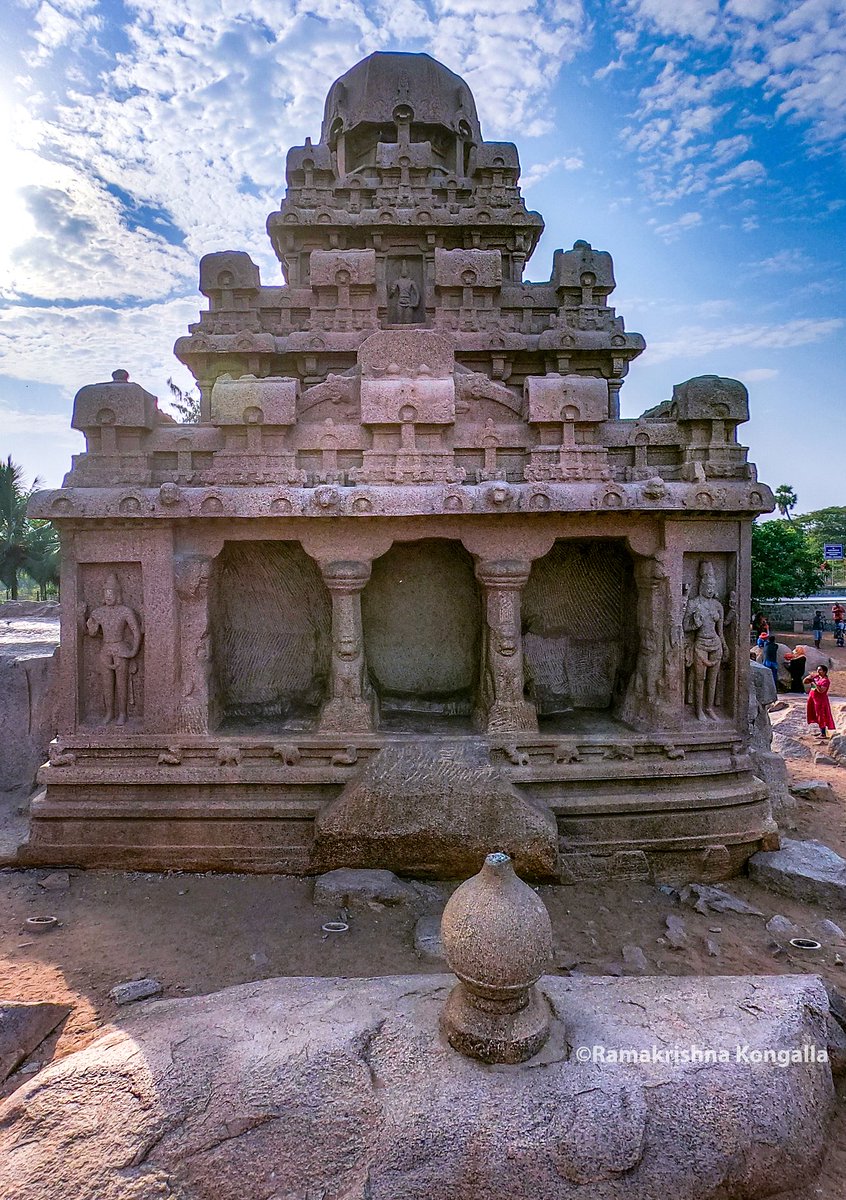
{"x": 120, "y": 628}
{"x": 405, "y": 398}
{"x": 192, "y": 586}
{"x": 706, "y": 646}
{"x": 351, "y": 704}
{"x": 503, "y": 704}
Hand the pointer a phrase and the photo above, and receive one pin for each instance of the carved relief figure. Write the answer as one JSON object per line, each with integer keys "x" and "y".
{"x": 703, "y": 622}
{"x": 121, "y": 630}
{"x": 405, "y": 296}
{"x": 192, "y": 585}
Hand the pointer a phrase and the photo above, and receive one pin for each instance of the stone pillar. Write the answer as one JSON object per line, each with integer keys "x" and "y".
{"x": 651, "y": 701}
{"x": 503, "y": 707}
{"x": 351, "y": 707}
{"x": 191, "y": 577}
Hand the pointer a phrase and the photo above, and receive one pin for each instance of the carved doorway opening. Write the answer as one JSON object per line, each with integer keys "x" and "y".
{"x": 580, "y": 640}
{"x": 271, "y": 622}
{"x": 422, "y": 615}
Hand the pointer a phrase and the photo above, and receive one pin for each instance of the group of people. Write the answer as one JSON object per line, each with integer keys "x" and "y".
{"x": 817, "y": 682}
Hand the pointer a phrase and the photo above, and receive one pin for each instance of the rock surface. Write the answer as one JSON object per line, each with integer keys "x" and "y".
{"x": 428, "y": 943}
{"x": 22, "y": 1028}
{"x": 435, "y": 808}
{"x": 813, "y": 789}
{"x": 806, "y": 871}
{"x": 345, "y": 1088}
{"x": 350, "y": 888}
{"x": 135, "y": 989}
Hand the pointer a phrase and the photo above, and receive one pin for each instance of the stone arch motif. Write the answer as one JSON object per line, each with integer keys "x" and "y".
{"x": 271, "y": 634}
{"x": 422, "y": 618}
{"x": 579, "y": 616}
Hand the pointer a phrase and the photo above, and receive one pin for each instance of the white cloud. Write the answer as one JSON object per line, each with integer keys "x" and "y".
{"x": 787, "y": 260}
{"x": 758, "y": 374}
{"x": 687, "y": 18}
{"x": 673, "y": 229}
{"x": 698, "y": 341}
{"x": 538, "y": 171}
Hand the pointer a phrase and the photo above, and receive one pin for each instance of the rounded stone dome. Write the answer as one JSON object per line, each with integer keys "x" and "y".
{"x": 374, "y": 89}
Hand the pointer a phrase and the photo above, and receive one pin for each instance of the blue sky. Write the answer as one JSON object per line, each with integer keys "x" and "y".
{"x": 700, "y": 141}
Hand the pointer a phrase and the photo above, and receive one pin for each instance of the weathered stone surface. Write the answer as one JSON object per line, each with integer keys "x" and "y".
{"x": 56, "y": 881}
{"x": 497, "y": 937}
{"x": 134, "y": 990}
{"x": 301, "y": 1086}
{"x": 783, "y": 927}
{"x": 634, "y": 958}
{"x": 435, "y": 808}
{"x": 676, "y": 932}
{"x": 27, "y": 719}
{"x": 803, "y": 870}
{"x": 22, "y": 1028}
{"x": 428, "y": 943}
{"x": 769, "y": 767}
{"x": 704, "y": 897}
{"x": 406, "y": 387}
{"x": 349, "y": 888}
{"x": 813, "y": 789}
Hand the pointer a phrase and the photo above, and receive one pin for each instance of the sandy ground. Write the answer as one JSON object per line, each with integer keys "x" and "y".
{"x": 200, "y": 933}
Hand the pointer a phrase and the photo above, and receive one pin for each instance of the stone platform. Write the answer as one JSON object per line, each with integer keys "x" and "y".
{"x": 346, "y": 1089}
{"x": 625, "y": 804}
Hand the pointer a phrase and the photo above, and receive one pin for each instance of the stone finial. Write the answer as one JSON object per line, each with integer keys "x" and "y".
{"x": 497, "y": 939}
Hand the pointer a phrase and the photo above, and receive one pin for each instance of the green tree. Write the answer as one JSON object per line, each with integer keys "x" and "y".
{"x": 42, "y": 562}
{"x": 14, "y": 526}
{"x": 785, "y": 499}
{"x": 785, "y": 562}
{"x": 187, "y": 404}
{"x": 824, "y": 525}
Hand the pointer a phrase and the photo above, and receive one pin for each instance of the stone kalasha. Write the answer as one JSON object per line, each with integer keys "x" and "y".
{"x": 410, "y": 513}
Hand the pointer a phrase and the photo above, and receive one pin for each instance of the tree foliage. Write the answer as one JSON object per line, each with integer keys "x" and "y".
{"x": 785, "y": 561}
{"x": 785, "y": 499}
{"x": 187, "y": 404}
{"x": 26, "y": 547}
{"x": 824, "y": 525}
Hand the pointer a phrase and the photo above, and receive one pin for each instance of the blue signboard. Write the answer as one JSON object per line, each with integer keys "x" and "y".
{"x": 832, "y": 550}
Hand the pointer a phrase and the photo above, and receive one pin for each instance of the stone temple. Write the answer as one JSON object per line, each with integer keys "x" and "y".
{"x": 411, "y": 590}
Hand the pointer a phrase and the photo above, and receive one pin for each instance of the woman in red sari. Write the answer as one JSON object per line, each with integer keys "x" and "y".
{"x": 819, "y": 709}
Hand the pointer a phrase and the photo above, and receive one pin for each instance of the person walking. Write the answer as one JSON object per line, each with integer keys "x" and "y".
{"x": 771, "y": 657}
{"x": 819, "y": 709}
{"x": 818, "y": 625}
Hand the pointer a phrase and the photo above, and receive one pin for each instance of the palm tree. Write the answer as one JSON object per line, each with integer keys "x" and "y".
{"x": 14, "y": 526}
{"x": 785, "y": 499}
{"x": 42, "y": 563}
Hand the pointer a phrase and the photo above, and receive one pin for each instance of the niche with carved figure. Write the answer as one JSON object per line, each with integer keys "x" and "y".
{"x": 422, "y": 617}
{"x": 579, "y": 616}
{"x": 111, "y": 658}
{"x": 271, "y": 622}
{"x": 711, "y": 628}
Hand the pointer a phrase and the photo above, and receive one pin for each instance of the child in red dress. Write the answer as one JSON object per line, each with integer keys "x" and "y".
{"x": 819, "y": 709}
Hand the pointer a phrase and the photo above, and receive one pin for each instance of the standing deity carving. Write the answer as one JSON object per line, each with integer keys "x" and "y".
{"x": 406, "y": 296}
{"x": 120, "y": 627}
{"x": 706, "y": 645}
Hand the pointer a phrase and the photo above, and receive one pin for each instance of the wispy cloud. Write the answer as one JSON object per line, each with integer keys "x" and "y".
{"x": 696, "y": 341}
{"x": 538, "y": 171}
